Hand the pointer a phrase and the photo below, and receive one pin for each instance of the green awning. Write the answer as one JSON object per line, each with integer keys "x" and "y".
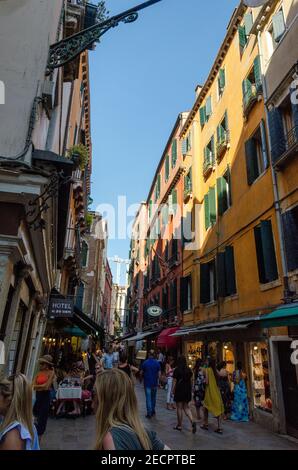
{"x": 75, "y": 331}
{"x": 285, "y": 315}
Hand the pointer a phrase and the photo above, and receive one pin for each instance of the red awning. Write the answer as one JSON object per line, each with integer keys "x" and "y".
{"x": 165, "y": 340}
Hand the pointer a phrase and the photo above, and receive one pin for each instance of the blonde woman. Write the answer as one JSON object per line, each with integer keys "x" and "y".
{"x": 17, "y": 431}
{"x": 118, "y": 424}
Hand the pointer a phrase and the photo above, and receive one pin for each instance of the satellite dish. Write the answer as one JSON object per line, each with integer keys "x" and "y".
{"x": 254, "y": 3}
{"x": 154, "y": 311}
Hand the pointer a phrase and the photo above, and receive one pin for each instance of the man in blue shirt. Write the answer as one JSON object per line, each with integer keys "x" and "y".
{"x": 151, "y": 372}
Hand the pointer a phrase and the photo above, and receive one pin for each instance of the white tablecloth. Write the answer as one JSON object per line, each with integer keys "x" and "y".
{"x": 69, "y": 393}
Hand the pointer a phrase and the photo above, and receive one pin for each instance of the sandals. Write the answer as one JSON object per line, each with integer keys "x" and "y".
{"x": 205, "y": 427}
{"x": 219, "y": 431}
{"x": 177, "y": 428}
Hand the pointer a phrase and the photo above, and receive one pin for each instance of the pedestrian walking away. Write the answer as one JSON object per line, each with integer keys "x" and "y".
{"x": 108, "y": 359}
{"x": 182, "y": 391}
{"x": 199, "y": 387}
{"x": 42, "y": 384}
{"x": 224, "y": 387}
{"x": 17, "y": 430}
{"x": 169, "y": 375}
{"x": 118, "y": 424}
{"x": 125, "y": 366}
{"x": 212, "y": 401}
{"x": 240, "y": 402}
{"x": 150, "y": 371}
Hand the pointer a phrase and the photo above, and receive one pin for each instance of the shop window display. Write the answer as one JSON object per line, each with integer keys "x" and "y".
{"x": 228, "y": 357}
{"x": 194, "y": 352}
{"x": 260, "y": 376}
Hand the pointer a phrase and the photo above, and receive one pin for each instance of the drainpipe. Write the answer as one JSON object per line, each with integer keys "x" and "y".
{"x": 277, "y": 205}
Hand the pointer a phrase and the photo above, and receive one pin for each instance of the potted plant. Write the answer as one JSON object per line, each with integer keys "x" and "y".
{"x": 79, "y": 154}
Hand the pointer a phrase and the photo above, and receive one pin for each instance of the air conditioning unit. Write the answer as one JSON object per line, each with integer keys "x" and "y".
{"x": 48, "y": 93}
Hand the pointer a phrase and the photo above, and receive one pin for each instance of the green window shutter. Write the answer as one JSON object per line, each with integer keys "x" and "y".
{"x": 257, "y": 71}
{"x": 212, "y": 205}
{"x": 279, "y": 26}
{"x": 165, "y": 215}
{"x": 247, "y": 91}
{"x": 230, "y": 271}
{"x": 202, "y": 115}
{"x": 222, "y": 78}
{"x": 207, "y": 211}
{"x": 228, "y": 179}
{"x": 270, "y": 264}
{"x": 264, "y": 144}
{"x": 158, "y": 184}
{"x": 212, "y": 150}
{"x": 150, "y": 209}
{"x": 226, "y": 120}
{"x": 208, "y": 106}
{"x": 222, "y": 195}
{"x": 184, "y": 147}
{"x": 251, "y": 161}
{"x": 260, "y": 256}
{"x": 218, "y": 135}
{"x": 221, "y": 273}
{"x": 174, "y": 153}
{"x": 204, "y": 284}
{"x": 248, "y": 23}
{"x": 183, "y": 293}
{"x": 174, "y": 194}
{"x": 242, "y": 36}
{"x": 167, "y": 168}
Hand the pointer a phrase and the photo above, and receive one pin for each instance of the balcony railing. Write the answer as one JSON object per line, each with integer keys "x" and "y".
{"x": 208, "y": 164}
{"x": 251, "y": 97}
{"x": 222, "y": 144}
{"x": 286, "y": 147}
{"x": 174, "y": 260}
{"x": 187, "y": 189}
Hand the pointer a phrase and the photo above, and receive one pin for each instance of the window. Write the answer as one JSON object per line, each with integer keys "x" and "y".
{"x": 266, "y": 258}
{"x": 75, "y": 135}
{"x": 209, "y": 156}
{"x": 226, "y": 273}
{"x": 208, "y": 291}
{"x": 157, "y": 188}
{"x": 167, "y": 168}
{"x": 188, "y": 183}
{"x": 173, "y": 294}
{"x": 277, "y": 28}
{"x": 185, "y": 294}
{"x": 244, "y": 30}
{"x": 84, "y": 254}
{"x": 223, "y": 136}
{"x": 80, "y": 296}
{"x": 221, "y": 82}
{"x": 186, "y": 144}
{"x": 150, "y": 209}
{"x": 290, "y": 230}
{"x": 173, "y": 201}
{"x": 210, "y": 208}
{"x": 174, "y": 153}
{"x": 206, "y": 111}
{"x": 224, "y": 199}
{"x": 256, "y": 154}
{"x": 252, "y": 85}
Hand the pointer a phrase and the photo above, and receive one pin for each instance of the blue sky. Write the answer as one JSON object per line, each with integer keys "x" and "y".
{"x": 142, "y": 76}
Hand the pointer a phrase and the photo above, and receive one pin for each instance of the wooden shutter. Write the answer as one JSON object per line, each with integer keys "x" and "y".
{"x": 212, "y": 205}
{"x": 259, "y": 253}
{"x": 207, "y": 211}
{"x": 257, "y": 72}
{"x": 222, "y": 195}
{"x": 264, "y": 144}
{"x": 183, "y": 294}
{"x": 208, "y": 106}
{"x": 270, "y": 264}
{"x": 167, "y": 168}
{"x": 174, "y": 152}
{"x": 277, "y": 136}
{"x": 222, "y": 78}
{"x": 248, "y": 23}
{"x": 290, "y": 230}
{"x": 204, "y": 284}
{"x": 184, "y": 147}
{"x": 242, "y": 36}
{"x": 221, "y": 273}
{"x": 247, "y": 91}
{"x": 202, "y": 115}
{"x": 251, "y": 161}
{"x": 279, "y": 26}
{"x": 230, "y": 275}
{"x": 213, "y": 150}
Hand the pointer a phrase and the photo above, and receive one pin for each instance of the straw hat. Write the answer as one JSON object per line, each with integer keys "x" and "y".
{"x": 47, "y": 359}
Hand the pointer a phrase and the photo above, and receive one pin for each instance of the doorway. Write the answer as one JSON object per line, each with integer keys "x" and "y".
{"x": 289, "y": 381}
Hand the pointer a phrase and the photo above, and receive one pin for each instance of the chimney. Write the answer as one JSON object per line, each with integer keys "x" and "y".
{"x": 198, "y": 90}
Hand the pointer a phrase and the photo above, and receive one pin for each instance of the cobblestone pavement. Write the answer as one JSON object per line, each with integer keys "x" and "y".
{"x": 66, "y": 434}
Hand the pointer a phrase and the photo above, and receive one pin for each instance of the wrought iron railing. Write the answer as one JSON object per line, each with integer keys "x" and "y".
{"x": 222, "y": 143}
{"x": 284, "y": 146}
{"x": 251, "y": 95}
{"x": 208, "y": 162}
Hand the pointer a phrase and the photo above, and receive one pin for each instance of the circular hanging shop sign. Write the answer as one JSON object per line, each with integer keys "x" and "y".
{"x": 154, "y": 311}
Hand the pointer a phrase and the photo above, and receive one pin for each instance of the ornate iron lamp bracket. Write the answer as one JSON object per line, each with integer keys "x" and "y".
{"x": 69, "y": 48}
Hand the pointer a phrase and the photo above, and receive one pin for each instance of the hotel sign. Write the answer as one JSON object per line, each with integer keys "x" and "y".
{"x": 60, "y": 308}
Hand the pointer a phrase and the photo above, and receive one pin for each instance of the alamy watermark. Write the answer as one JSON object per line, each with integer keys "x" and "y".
{"x": 2, "y": 92}
{"x": 294, "y": 355}
{"x": 294, "y": 92}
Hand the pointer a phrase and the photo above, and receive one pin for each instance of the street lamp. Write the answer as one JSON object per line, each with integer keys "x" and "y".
{"x": 66, "y": 50}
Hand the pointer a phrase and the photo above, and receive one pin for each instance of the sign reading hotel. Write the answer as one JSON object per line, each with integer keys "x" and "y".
{"x": 60, "y": 308}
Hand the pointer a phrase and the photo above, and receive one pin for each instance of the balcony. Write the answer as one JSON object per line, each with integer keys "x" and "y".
{"x": 187, "y": 190}
{"x": 250, "y": 98}
{"x": 174, "y": 260}
{"x": 286, "y": 148}
{"x": 222, "y": 145}
{"x": 170, "y": 316}
{"x": 208, "y": 165}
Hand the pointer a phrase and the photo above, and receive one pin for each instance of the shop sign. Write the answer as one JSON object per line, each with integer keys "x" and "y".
{"x": 154, "y": 311}
{"x": 60, "y": 308}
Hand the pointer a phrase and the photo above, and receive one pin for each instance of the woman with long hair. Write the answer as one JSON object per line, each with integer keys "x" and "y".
{"x": 181, "y": 390}
{"x": 170, "y": 367}
{"x": 42, "y": 384}
{"x": 240, "y": 403}
{"x": 118, "y": 424}
{"x": 212, "y": 401}
{"x": 224, "y": 387}
{"x": 17, "y": 431}
{"x": 199, "y": 387}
